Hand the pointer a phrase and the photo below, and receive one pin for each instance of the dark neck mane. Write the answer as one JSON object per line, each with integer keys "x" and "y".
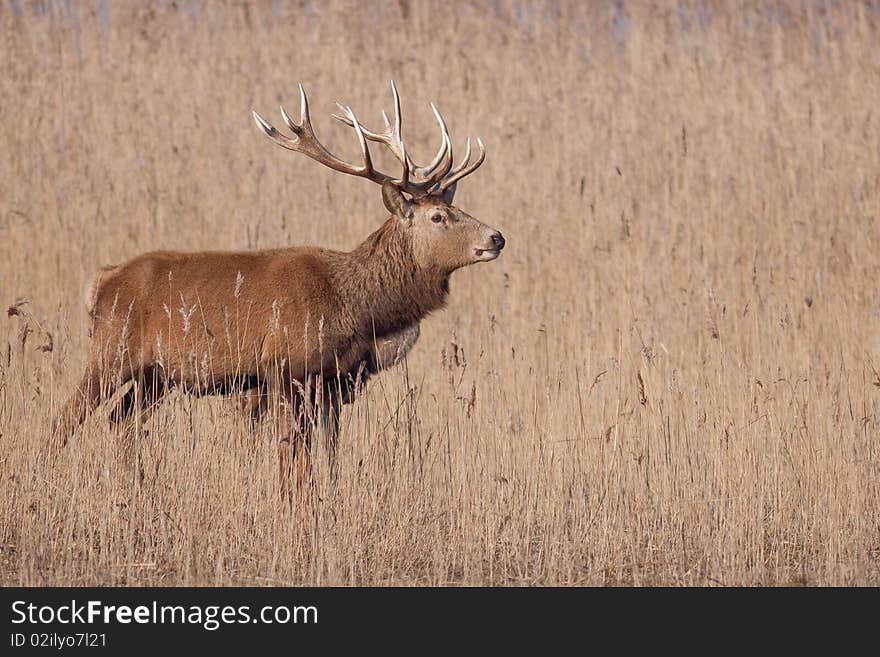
{"x": 384, "y": 288}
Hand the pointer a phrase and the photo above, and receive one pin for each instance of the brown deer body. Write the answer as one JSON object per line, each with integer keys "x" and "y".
{"x": 298, "y": 324}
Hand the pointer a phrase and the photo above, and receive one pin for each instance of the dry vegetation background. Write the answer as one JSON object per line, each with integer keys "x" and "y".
{"x": 671, "y": 376}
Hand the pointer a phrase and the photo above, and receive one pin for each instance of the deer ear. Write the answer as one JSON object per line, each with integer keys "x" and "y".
{"x": 449, "y": 193}
{"x": 395, "y": 201}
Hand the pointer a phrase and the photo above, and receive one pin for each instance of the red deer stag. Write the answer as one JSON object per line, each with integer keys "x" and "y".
{"x": 299, "y": 323}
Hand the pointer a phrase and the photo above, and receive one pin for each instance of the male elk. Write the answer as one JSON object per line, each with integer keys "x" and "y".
{"x": 299, "y": 324}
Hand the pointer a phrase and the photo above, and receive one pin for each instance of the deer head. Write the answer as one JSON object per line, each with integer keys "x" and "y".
{"x": 441, "y": 236}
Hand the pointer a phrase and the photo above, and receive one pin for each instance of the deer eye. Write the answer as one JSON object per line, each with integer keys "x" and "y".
{"x": 437, "y": 218}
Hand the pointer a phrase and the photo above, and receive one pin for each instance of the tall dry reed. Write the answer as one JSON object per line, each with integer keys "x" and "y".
{"x": 671, "y": 376}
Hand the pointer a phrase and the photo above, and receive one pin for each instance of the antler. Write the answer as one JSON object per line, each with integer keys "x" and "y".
{"x": 437, "y": 177}
{"x": 304, "y": 141}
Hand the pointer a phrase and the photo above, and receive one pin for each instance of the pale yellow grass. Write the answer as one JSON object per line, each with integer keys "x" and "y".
{"x": 669, "y": 377}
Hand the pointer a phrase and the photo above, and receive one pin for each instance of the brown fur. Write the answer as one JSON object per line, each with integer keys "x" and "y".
{"x": 91, "y": 295}
{"x": 387, "y": 352}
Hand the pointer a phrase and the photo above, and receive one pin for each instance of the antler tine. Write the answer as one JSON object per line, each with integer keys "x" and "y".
{"x": 304, "y": 114}
{"x": 289, "y": 121}
{"x": 305, "y": 120}
{"x": 398, "y": 120}
{"x": 464, "y": 161}
{"x": 429, "y": 173}
{"x": 365, "y": 150}
{"x": 273, "y": 134}
{"x": 463, "y": 169}
{"x": 404, "y": 161}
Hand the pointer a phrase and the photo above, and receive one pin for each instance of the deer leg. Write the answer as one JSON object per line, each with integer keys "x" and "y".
{"x": 302, "y": 454}
{"x": 96, "y": 385}
{"x": 125, "y": 407}
{"x": 254, "y": 403}
{"x": 139, "y": 401}
{"x": 84, "y": 399}
{"x": 293, "y": 434}
{"x": 133, "y": 410}
{"x": 328, "y": 406}
{"x": 282, "y": 425}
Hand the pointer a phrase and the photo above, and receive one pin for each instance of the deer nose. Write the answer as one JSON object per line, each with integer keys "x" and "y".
{"x": 498, "y": 241}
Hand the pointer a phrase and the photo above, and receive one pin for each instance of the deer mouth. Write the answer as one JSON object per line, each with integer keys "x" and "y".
{"x": 485, "y": 255}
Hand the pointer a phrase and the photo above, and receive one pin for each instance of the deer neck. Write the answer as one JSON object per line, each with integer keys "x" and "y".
{"x": 383, "y": 285}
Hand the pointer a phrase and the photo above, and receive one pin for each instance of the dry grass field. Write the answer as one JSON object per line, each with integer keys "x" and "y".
{"x": 670, "y": 377}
